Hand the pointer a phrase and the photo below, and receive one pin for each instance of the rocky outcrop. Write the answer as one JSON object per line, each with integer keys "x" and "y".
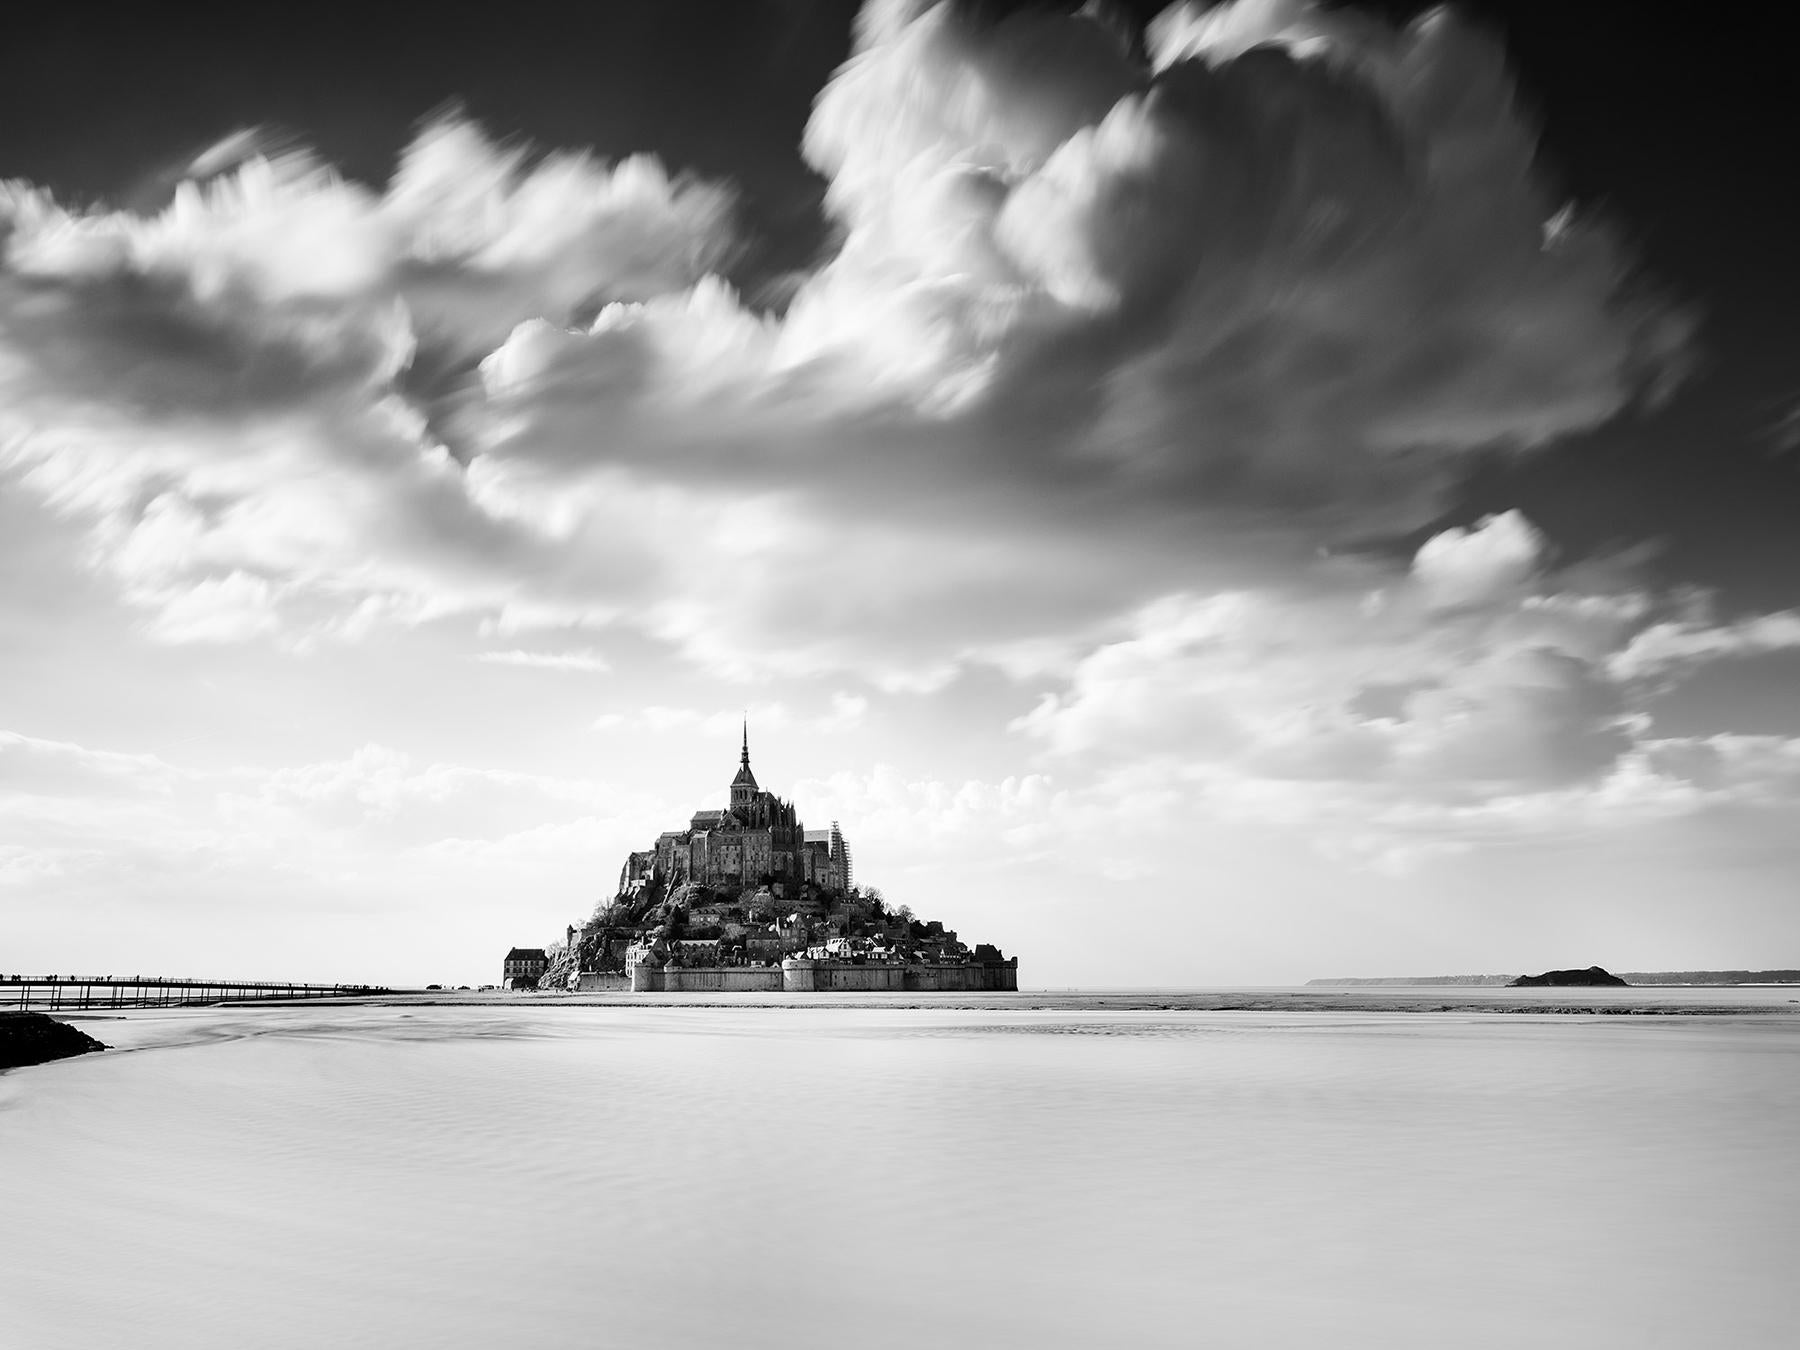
{"x": 34, "y": 1038}
{"x": 562, "y": 971}
{"x": 1591, "y": 977}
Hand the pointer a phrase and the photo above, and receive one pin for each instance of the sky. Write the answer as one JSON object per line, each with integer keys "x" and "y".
{"x": 1202, "y": 496}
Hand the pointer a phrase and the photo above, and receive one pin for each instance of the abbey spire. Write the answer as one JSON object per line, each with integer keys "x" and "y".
{"x": 744, "y": 791}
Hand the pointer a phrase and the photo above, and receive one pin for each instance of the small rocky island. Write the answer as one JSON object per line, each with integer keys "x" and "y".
{"x": 746, "y": 898}
{"x": 34, "y": 1038}
{"x": 1592, "y": 977}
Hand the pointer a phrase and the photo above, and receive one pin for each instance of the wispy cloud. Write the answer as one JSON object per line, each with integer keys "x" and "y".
{"x": 583, "y": 662}
{"x": 845, "y": 712}
{"x": 1683, "y": 644}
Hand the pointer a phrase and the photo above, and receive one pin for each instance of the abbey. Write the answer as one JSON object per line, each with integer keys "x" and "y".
{"x": 756, "y": 840}
{"x": 747, "y": 899}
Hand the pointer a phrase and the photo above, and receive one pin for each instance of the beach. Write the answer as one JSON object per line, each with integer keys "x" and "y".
{"x": 1054, "y": 1175}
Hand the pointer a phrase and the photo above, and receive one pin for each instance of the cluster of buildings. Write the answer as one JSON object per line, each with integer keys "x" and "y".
{"x": 756, "y": 838}
{"x": 747, "y": 898}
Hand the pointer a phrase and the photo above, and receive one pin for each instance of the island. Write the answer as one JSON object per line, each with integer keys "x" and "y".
{"x": 1592, "y": 977}
{"x": 34, "y": 1038}
{"x": 746, "y": 898}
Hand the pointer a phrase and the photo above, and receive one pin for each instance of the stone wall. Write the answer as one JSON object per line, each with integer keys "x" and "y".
{"x": 649, "y": 978}
{"x": 877, "y": 977}
{"x": 597, "y": 982}
{"x": 758, "y": 855}
{"x": 798, "y": 975}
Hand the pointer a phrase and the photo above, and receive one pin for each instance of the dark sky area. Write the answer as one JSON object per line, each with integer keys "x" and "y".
{"x": 1679, "y": 131}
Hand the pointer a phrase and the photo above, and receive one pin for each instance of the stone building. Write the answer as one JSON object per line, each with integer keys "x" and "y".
{"x": 523, "y": 968}
{"x": 756, "y": 839}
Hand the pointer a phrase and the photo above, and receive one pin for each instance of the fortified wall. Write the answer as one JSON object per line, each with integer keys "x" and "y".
{"x": 800, "y": 975}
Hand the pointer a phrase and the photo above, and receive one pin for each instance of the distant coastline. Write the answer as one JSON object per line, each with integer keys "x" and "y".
{"x": 1661, "y": 977}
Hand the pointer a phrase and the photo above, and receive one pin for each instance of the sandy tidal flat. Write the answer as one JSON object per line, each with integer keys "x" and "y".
{"x": 804, "y": 1176}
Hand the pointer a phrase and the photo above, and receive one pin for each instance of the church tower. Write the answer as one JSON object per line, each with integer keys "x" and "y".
{"x": 743, "y": 788}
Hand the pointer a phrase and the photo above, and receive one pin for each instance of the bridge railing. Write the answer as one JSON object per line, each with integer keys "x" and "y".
{"x": 49, "y": 992}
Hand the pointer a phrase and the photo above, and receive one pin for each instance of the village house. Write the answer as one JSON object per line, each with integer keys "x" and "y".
{"x": 523, "y": 967}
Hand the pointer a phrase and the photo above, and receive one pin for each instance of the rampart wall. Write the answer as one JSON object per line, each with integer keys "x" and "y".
{"x": 647, "y": 977}
{"x": 798, "y": 975}
{"x": 804, "y": 975}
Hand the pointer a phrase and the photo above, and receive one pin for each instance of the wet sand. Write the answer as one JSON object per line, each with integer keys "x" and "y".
{"x": 1647, "y": 1001}
{"x": 1049, "y": 1170}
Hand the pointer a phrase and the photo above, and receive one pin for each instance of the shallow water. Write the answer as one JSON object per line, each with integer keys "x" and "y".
{"x": 454, "y": 1176}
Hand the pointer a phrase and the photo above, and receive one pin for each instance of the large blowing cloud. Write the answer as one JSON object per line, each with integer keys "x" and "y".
{"x": 1099, "y": 330}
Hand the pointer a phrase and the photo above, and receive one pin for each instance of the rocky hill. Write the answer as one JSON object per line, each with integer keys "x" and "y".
{"x": 696, "y": 924}
{"x": 1592, "y": 977}
{"x": 34, "y": 1038}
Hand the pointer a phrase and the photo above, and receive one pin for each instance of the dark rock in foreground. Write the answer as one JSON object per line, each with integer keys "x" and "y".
{"x": 33, "y": 1038}
{"x": 1593, "y": 975}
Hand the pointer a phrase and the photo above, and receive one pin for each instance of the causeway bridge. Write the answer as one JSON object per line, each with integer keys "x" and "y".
{"x": 47, "y": 993}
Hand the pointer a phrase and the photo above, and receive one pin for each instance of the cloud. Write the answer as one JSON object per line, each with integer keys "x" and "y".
{"x": 1495, "y": 557}
{"x": 471, "y": 236}
{"x": 1679, "y": 645}
{"x": 1755, "y": 770}
{"x": 230, "y": 608}
{"x": 380, "y": 793}
{"x": 24, "y": 867}
{"x": 66, "y": 808}
{"x": 43, "y": 767}
{"x": 847, "y": 711}
{"x": 1360, "y": 674}
{"x": 583, "y": 662}
{"x": 276, "y": 870}
{"x": 925, "y": 821}
{"x": 237, "y": 391}
{"x": 1149, "y": 327}
{"x": 1388, "y": 710}
{"x": 1099, "y": 331}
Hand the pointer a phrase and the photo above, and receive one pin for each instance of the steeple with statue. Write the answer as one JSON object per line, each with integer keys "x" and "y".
{"x": 744, "y": 791}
